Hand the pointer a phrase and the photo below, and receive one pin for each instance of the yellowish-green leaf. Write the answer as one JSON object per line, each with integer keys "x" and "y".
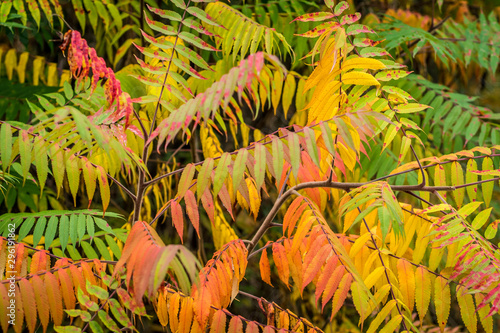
{"x": 359, "y": 78}
{"x": 467, "y": 309}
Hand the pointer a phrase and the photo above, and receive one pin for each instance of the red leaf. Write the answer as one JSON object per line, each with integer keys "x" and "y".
{"x": 192, "y": 211}
{"x": 177, "y": 218}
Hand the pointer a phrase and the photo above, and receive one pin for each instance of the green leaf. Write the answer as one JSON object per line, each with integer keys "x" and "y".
{"x": 6, "y": 143}
{"x": 90, "y": 226}
{"x": 239, "y": 168}
{"x": 64, "y": 224}
{"x": 67, "y": 329}
{"x": 278, "y": 156}
{"x": 85, "y": 315}
{"x": 5, "y": 10}
{"x": 89, "y": 250}
{"x": 108, "y": 321}
{"x": 197, "y": 12}
{"x": 96, "y": 328}
{"x": 487, "y": 187}
{"x": 25, "y": 152}
{"x": 340, "y": 7}
{"x": 468, "y": 209}
{"x": 492, "y": 229}
{"x": 25, "y": 228}
{"x": 410, "y": 108}
{"x": 103, "y": 225}
{"x": 115, "y": 249}
{"x": 471, "y": 177}
{"x": 196, "y": 41}
{"x": 185, "y": 180}
{"x": 51, "y": 231}
{"x": 96, "y": 291}
{"x": 86, "y": 301}
{"x": 221, "y": 172}
{"x": 260, "y": 164}
{"x": 39, "y": 229}
{"x": 73, "y": 226}
{"x": 103, "y": 250}
{"x": 41, "y": 162}
{"x": 120, "y": 314}
{"x": 481, "y": 218}
{"x": 81, "y": 226}
{"x": 294, "y": 148}
{"x": 204, "y": 176}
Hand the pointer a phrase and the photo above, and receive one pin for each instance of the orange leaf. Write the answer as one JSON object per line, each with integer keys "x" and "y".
{"x": 4, "y": 303}
{"x": 202, "y": 305}
{"x": 235, "y": 325}
{"x": 192, "y": 211}
{"x": 341, "y": 293}
{"x": 78, "y": 279}
{"x": 325, "y": 276}
{"x": 143, "y": 268}
{"x": 281, "y": 262}
{"x": 313, "y": 268}
{"x": 406, "y": 279}
{"x": 293, "y": 214}
{"x": 54, "y": 298}
{"x": 173, "y": 310}
{"x": 38, "y": 262}
{"x": 178, "y": 218}
{"x": 302, "y": 230}
{"x": 252, "y": 327}
{"x": 18, "y": 327}
{"x": 332, "y": 285}
{"x": 186, "y": 315}
{"x": 162, "y": 310}
{"x": 42, "y": 301}
{"x": 225, "y": 198}
{"x": 208, "y": 204}
{"x": 67, "y": 289}
{"x": 295, "y": 261}
{"x": 218, "y": 322}
{"x": 265, "y": 268}
{"x": 20, "y": 257}
{"x": 28, "y": 296}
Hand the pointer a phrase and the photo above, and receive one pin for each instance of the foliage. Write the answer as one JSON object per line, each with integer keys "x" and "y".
{"x": 122, "y": 201}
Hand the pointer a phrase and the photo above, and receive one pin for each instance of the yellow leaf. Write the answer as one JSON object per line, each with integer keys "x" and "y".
{"x": 359, "y": 243}
{"x": 392, "y": 325}
{"x": 21, "y": 66}
{"x": 467, "y": 309}
{"x": 442, "y": 300}
{"x": 10, "y": 62}
{"x": 38, "y": 69}
{"x": 52, "y": 78}
{"x": 348, "y": 156}
{"x": 406, "y": 282}
{"x": 276, "y": 90}
{"x": 359, "y": 78}
{"x": 422, "y": 291}
{"x": 288, "y": 92}
{"x": 362, "y": 63}
{"x": 374, "y": 277}
{"x": 381, "y": 316}
{"x": 486, "y": 321}
{"x": 162, "y": 309}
